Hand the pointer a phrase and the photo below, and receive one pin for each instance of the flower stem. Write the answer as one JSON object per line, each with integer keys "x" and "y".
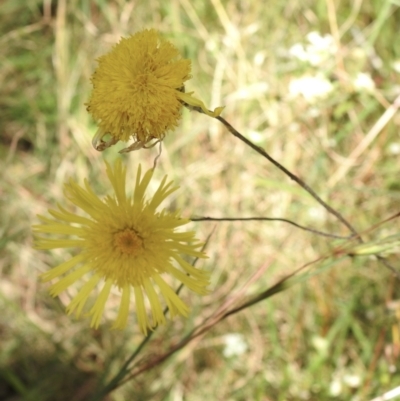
{"x": 302, "y": 184}
{"x": 124, "y": 370}
{"x": 292, "y": 176}
{"x": 293, "y": 223}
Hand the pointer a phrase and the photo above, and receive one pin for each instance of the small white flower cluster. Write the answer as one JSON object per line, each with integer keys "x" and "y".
{"x": 363, "y": 82}
{"x": 316, "y": 51}
{"x": 311, "y": 87}
{"x": 234, "y": 345}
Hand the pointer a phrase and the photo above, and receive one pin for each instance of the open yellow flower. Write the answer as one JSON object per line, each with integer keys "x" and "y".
{"x": 124, "y": 244}
{"x": 138, "y": 91}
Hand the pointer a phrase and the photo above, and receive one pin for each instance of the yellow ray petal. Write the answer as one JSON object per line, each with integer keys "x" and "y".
{"x": 156, "y": 309}
{"x": 141, "y": 311}
{"x": 175, "y": 304}
{"x": 62, "y": 268}
{"x": 98, "y": 307}
{"x": 123, "y": 313}
{"x": 71, "y": 278}
{"x": 78, "y": 302}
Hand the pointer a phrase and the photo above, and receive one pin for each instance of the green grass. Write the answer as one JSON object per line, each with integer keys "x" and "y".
{"x": 310, "y": 342}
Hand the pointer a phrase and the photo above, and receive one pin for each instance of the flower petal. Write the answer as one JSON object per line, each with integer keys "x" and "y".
{"x": 175, "y": 304}
{"x": 156, "y": 310}
{"x": 141, "y": 311}
{"x": 98, "y": 307}
{"x": 62, "y": 268}
{"x": 78, "y": 302}
{"x": 68, "y": 280}
{"x": 123, "y": 313}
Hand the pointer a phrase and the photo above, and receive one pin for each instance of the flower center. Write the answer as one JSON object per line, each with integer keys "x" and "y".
{"x": 142, "y": 81}
{"x": 128, "y": 242}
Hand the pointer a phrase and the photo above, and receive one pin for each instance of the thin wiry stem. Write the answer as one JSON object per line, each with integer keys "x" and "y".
{"x": 292, "y": 176}
{"x": 298, "y": 180}
{"x": 312, "y": 230}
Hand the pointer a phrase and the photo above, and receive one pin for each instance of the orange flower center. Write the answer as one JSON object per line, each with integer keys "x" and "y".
{"x": 128, "y": 242}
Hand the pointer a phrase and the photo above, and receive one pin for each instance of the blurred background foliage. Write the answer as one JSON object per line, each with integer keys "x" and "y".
{"x": 315, "y": 83}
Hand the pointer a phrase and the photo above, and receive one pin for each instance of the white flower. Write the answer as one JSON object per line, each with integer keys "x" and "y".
{"x": 298, "y": 51}
{"x": 317, "y": 51}
{"x": 396, "y": 66}
{"x": 363, "y": 82}
{"x": 234, "y": 345}
{"x": 352, "y": 380}
{"x": 335, "y": 388}
{"x": 394, "y": 148}
{"x": 321, "y": 43}
{"x": 310, "y": 87}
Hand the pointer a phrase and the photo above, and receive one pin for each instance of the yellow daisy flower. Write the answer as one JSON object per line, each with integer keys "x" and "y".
{"x": 138, "y": 91}
{"x": 124, "y": 244}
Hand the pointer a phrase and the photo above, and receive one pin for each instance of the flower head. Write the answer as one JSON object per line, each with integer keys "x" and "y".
{"x": 138, "y": 91}
{"x": 125, "y": 244}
